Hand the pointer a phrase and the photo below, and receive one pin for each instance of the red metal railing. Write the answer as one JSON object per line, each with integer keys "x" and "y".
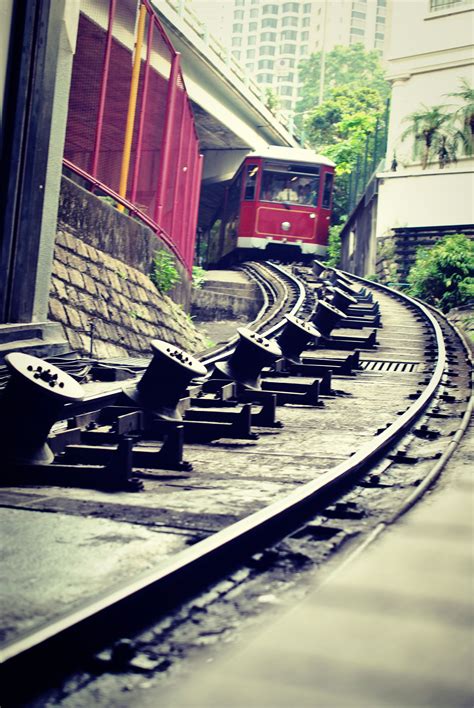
{"x": 161, "y": 181}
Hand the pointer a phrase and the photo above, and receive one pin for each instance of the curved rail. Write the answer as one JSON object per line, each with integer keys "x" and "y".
{"x": 223, "y": 549}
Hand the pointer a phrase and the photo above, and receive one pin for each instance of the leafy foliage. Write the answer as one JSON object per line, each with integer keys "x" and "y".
{"x": 444, "y": 274}
{"x": 354, "y": 104}
{"x": 199, "y": 277}
{"x": 429, "y": 127}
{"x": 271, "y": 100}
{"x": 464, "y": 116}
{"x": 164, "y": 274}
{"x": 334, "y": 245}
{"x": 344, "y": 66}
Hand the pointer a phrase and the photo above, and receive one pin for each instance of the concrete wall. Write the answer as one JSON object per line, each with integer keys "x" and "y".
{"x": 427, "y": 54}
{"x": 426, "y": 198}
{"x": 358, "y": 237}
{"x": 100, "y": 278}
{"x": 105, "y": 228}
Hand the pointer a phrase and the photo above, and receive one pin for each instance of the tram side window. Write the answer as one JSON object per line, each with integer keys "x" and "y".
{"x": 328, "y": 179}
{"x": 231, "y": 222}
{"x": 250, "y": 182}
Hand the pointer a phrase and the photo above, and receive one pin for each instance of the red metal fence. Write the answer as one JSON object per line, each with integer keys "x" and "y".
{"x": 159, "y": 176}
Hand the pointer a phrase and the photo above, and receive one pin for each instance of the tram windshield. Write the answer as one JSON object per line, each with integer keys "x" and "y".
{"x": 290, "y": 187}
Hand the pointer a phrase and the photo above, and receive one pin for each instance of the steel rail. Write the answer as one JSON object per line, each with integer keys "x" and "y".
{"x": 195, "y": 566}
{"x": 227, "y": 349}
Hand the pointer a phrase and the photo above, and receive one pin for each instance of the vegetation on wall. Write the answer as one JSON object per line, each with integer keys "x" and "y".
{"x": 334, "y": 245}
{"x": 164, "y": 274}
{"x": 444, "y": 274}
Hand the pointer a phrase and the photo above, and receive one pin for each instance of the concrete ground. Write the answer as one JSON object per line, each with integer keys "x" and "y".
{"x": 394, "y": 627}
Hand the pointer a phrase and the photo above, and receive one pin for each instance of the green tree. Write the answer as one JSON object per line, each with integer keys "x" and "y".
{"x": 353, "y": 109}
{"x": 429, "y": 128}
{"x": 271, "y": 100}
{"x": 464, "y": 117}
{"x": 344, "y": 66}
{"x": 444, "y": 274}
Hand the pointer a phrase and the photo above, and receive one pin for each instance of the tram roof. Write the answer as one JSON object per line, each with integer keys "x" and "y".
{"x": 290, "y": 154}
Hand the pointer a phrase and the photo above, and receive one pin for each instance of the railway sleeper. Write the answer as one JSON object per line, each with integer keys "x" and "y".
{"x": 353, "y": 322}
{"x": 342, "y": 341}
{"x": 293, "y": 391}
{"x": 113, "y": 474}
{"x": 106, "y": 427}
{"x": 264, "y": 417}
{"x": 322, "y": 373}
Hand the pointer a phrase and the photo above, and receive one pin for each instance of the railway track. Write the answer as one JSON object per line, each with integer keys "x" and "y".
{"x": 257, "y": 482}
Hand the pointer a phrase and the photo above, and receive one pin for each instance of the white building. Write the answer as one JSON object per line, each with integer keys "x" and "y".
{"x": 270, "y": 37}
{"x": 430, "y": 49}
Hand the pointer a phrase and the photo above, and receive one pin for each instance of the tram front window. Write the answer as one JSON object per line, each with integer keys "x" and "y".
{"x": 286, "y": 188}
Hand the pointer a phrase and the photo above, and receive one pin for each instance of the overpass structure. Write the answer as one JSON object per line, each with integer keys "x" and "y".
{"x": 228, "y": 105}
{"x": 182, "y": 70}
{"x": 67, "y": 79}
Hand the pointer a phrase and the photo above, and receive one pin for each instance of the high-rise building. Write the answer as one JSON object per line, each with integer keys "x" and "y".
{"x": 271, "y": 38}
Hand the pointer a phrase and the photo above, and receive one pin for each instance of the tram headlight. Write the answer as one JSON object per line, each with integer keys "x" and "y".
{"x": 285, "y": 225}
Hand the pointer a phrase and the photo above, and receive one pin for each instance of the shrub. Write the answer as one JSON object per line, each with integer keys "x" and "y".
{"x": 199, "y": 277}
{"x": 164, "y": 274}
{"x": 444, "y": 274}
{"x": 334, "y": 245}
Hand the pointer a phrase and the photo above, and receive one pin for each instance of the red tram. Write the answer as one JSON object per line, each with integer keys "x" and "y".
{"x": 280, "y": 199}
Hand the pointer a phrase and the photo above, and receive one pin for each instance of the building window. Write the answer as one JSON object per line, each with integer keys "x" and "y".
{"x": 286, "y": 91}
{"x": 445, "y": 4}
{"x": 268, "y": 36}
{"x": 253, "y": 26}
{"x": 287, "y": 105}
{"x": 306, "y": 21}
{"x": 267, "y": 49}
{"x": 250, "y": 66}
{"x": 290, "y": 7}
{"x": 237, "y": 27}
{"x": 252, "y": 40}
{"x": 288, "y": 49}
{"x": 250, "y": 53}
{"x": 288, "y": 78}
{"x": 269, "y": 22}
{"x": 290, "y": 21}
{"x": 360, "y": 15}
{"x": 379, "y": 35}
{"x": 304, "y": 50}
{"x": 236, "y": 41}
{"x": 238, "y": 15}
{"x": 380, "y": 20}
{"x": 254, "y": 12}
{"x": 236, "y": 54}
{"x": 270, "y": 9}
{"x": 289, "y": 34}
{"x": 265, "y": 78}
{"x": 304, "y": 36}
{"x": 357, "y": 30}
{"x": 307, "y": 7}
{"x": 265, "y": 64}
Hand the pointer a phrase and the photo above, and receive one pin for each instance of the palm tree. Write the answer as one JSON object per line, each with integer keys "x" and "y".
{"x": 427, "y": 127}
{"x": 465, "y": 115}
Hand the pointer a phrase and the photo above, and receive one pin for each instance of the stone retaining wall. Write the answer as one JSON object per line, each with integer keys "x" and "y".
{"x": 91, "y": 289}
